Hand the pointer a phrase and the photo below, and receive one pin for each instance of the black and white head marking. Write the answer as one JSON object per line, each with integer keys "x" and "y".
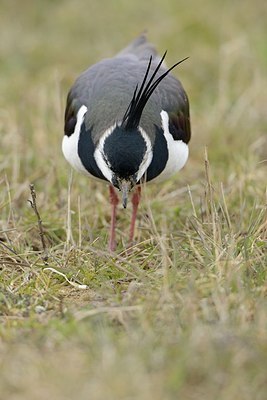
{"x": 123, "y": 154}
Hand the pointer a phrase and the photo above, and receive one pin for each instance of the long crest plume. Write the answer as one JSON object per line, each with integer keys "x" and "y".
{"x": 140, "y": 97}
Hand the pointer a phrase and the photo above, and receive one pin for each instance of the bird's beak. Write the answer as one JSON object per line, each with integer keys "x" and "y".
{"x": 125, "y": 187}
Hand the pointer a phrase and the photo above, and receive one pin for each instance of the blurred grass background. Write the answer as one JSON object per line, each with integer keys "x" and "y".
{"x": 183, "y": 315}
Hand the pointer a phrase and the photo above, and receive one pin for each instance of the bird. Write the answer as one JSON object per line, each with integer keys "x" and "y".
{"x": 127, "y": 122}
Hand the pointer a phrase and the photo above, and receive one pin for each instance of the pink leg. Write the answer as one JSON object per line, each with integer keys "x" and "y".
{"x": 114, "y": 200}
{"x": 135, "y": 202}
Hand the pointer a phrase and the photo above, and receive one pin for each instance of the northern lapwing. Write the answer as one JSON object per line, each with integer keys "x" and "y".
{"x": 127, "y": 122}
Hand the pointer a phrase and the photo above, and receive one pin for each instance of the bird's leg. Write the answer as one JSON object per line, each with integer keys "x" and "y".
{"x": 135, "y": 202}
{"x": 114, "y": 200}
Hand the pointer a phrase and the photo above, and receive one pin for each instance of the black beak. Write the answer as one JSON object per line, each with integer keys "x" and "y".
{"x": 125, "y": 187}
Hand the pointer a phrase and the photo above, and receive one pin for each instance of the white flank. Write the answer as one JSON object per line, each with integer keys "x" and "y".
{"x": 99, "y": 155}
{"x": 177, "y": 149}
{"x": 70, "y": 143}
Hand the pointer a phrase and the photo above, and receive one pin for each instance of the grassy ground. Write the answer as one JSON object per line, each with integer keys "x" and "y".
{"x": 183, "y": 316}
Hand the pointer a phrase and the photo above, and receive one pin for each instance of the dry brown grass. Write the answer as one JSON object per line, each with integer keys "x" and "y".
{"x": 183, "y": 315}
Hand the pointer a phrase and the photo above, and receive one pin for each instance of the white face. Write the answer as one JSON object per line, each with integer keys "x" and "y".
{"x": 103, "y": 163}
{"x": 147, "y": 156}
{"x": 99, "y": 155}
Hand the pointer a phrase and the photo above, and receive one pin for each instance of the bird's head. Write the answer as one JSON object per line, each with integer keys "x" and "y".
{"x": 123, "y": 155}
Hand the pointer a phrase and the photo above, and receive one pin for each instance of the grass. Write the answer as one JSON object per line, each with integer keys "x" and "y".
{"x": 183, "y": 315}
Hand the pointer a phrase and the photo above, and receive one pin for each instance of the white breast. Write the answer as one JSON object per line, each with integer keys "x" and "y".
{"x": 177, "y": 149}
{"x": 70, "y": 144}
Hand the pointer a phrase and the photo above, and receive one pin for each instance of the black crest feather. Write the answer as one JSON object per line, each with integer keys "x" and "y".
{"x": 140, "y": 97}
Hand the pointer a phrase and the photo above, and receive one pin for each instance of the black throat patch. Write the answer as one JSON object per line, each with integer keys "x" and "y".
{"x": 124, "y": 151}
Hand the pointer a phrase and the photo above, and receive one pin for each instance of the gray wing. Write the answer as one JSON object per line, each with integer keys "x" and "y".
{"x": 169, "y": 96}
{"x": 107, "y": 88}
{"x": 106, "y": 82}
{"x": 174, "y": 100}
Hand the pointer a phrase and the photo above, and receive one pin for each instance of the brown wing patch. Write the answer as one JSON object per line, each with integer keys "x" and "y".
{"x": 179, "y": 126}
{"x": 70, "y": 115}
